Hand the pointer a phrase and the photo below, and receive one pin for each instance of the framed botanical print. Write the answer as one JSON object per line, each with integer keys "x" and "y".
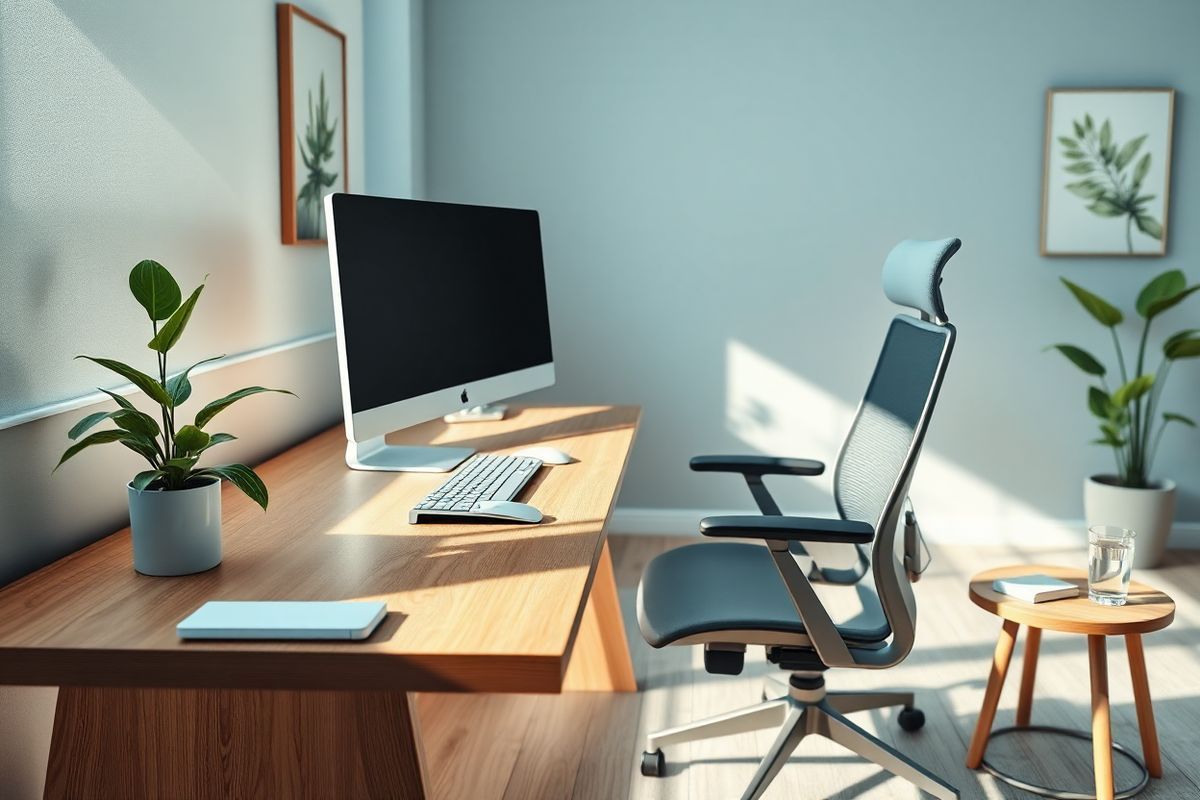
{"x": 1107, "y": 172}
{"x": 312, "y": 121}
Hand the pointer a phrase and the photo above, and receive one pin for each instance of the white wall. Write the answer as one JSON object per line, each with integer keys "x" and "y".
{"x": 129, "y": 130}
{"x": 720, "y": 182}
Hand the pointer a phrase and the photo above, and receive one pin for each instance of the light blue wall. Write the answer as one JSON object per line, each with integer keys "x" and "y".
{"x": 392, "y": 75}
{"x": 717, "y": 179}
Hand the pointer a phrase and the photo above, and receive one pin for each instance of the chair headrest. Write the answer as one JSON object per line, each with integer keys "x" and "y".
{"x": 912, "y": 275}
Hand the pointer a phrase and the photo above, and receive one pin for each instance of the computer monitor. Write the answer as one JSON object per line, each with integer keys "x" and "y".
{"x": 438, "y": 306}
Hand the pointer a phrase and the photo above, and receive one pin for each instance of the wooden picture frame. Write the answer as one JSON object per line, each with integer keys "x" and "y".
{"x": 313, "y": 143}
{"x": 1106, "y": 172}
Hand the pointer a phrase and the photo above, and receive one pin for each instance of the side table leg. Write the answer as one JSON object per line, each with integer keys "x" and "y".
{"x": 1101, "y": 723}
{"x": 991, "y": 697}
{"x": 1141, "y": 701}
{"x": 1033, "y": 640}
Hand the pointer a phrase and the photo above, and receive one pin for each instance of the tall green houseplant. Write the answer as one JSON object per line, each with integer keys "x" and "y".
{"x": 1128, "y": 414}
{"x": 171, "y": 451}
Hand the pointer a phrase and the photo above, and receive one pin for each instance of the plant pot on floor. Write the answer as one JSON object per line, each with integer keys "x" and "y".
{"x": 1148, "y": 512}
{"x": 176, "y": 532}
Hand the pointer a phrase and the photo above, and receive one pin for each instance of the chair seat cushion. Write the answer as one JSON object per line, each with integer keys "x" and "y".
{"x": 735, "y": 586}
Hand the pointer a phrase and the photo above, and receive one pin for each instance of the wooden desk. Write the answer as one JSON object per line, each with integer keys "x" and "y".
{"x": 474, "y": 608}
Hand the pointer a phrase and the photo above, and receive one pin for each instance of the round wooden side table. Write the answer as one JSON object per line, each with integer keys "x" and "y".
{"x": 1147, "y": 610}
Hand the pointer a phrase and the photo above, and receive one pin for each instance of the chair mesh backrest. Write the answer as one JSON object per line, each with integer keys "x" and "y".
{"x": 889, "y": 419}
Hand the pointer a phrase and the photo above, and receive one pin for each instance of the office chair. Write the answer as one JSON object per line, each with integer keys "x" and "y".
{"x": 728, "y": 595}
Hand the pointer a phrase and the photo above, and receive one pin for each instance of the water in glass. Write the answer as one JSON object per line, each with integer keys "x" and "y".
{"x": 1110, "y": 560}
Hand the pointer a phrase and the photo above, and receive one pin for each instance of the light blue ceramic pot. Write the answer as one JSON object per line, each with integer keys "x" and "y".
{"x": 178, "y": 532}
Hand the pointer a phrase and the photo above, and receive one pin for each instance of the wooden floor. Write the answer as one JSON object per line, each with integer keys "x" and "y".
{"x": 587, "y": 746}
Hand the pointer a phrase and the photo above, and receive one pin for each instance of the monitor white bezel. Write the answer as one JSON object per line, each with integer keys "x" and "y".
{"x": 375, "y": 422}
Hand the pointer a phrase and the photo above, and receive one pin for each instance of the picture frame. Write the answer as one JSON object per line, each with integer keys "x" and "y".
{"x": 313, "y": 142}
{"x": 1106, "y": 171}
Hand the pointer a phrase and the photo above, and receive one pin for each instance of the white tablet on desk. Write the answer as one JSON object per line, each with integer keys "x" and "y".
{"x": 283, "y": 619}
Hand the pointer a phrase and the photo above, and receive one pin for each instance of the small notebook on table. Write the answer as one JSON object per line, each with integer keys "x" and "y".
{"x": 223, "y": 619}
{"x": 1035, "y": 588}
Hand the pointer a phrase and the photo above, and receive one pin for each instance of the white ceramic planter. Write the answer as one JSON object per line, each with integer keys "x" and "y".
{"x": 176, "y": 533}
{"x": 1148, "y": 512}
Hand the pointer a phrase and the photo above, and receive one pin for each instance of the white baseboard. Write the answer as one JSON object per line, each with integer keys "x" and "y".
{"x": 1031, "y": 533}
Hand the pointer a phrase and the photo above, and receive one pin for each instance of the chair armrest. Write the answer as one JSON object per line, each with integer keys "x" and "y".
{"x": 789, "y": 529}
{"x": 757, "y": 465}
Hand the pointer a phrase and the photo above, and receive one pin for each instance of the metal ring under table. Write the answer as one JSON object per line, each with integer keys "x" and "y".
{"x": 1060, "y": 794}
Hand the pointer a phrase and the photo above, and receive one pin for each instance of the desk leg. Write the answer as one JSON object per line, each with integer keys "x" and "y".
{"x": 208, "y": 743}
{"x": 991, "y": 697}
{"x": 1033, "y": 641}
{"x": 1141, "y": 700}
{"x": 1101, "y": 722}
{"x": 600, "y": 660}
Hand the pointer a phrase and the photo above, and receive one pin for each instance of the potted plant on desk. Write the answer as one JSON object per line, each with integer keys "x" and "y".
{"x": 175, "y": 506}
{"x": 1129, "y": 418}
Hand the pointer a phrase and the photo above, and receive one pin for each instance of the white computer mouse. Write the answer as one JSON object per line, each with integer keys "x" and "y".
{"x": 548, "y": 455}
{"x": 507, "y": 509}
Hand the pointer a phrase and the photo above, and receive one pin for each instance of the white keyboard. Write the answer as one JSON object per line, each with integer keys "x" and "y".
{"x": 482, "y": 478}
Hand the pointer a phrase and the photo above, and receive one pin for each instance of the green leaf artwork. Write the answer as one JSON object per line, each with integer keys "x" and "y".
{"x": 1104, "y": 174}
{"x": 316, "y": 149}
{"x": 172, "y": 453}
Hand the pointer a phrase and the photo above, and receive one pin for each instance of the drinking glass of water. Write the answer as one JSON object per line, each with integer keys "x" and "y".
{"x": 1110, "y": 560}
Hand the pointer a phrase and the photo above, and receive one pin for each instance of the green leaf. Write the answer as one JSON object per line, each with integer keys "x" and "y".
{"x": 1087, "y": 122}
{"x": 153, "y": 389}
{"x": 1080, "y": 358}
{"x": 1074, "y": 155}
{"x": 154, "y": 288}
{"x": 1105, "y": 135}
{"x": 1139, "y": 172}
{"x": 141, "y": 445}
{"x": 242, "y": 477}
{"x": 100, "y": 437}
{"x": 1106, "y": 206}
{"x": 1079, "y": 168}
{"x": 121, "y": 401}
{"x": 1160, "y": 306}
{"x": 216, "y": 439}
{"x": 1079, "y": 133}
{"x": 1132, "y": 390}
{"x": 1171, "y": 416}
{"x": 1182, "y": 348}
{"x": 1162, "y": 287}
{"x": 143, "y": 479}
{"x": 1099, "y": 403}
{"x": 90, "y": 421}
{"x": 1149, "y": 226}
{"x": 1108, "y": 441}
{"x": 179, "y": 387}
{"x": 1127, "y": 152}
{"x": 190, "y": 439}
{"x": 1085, "y": 189}
{"x": 205, "y": 415}
{"x": 1185, "y": 334}
{"x": 136, "y": 422}
{"x": 1067, "y": 141}
{"x": 1104, "y": 312}
{"x": 181, "y": 464}
{"x": 172, "y": 329}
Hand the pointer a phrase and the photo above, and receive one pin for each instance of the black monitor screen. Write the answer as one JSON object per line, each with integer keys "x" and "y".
{"x": 436, "y": 295}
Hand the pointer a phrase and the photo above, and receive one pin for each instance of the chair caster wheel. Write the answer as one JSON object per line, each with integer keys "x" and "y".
{"x": 653, "y": 764}
{"x": 911, "y": 719}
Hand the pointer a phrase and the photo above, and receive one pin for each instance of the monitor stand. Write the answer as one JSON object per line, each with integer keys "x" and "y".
{"x": 488, "y": 413}
{"x": 375, "y": 454}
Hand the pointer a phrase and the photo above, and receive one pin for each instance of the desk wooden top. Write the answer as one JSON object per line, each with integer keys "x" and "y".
{"x": 1147, "y": 609}
{"x": 471, "y": 607}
